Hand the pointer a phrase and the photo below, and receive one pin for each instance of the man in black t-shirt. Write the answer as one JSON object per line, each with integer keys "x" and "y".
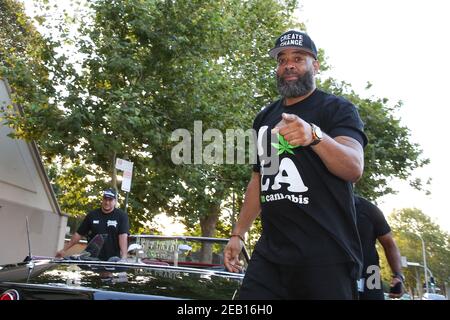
{"x": 372, "y": 225}
{"x": 310, "y": 150}
{"x": 109, "y": 222}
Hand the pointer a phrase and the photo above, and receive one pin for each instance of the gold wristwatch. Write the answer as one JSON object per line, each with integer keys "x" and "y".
{"x": 316, "y": 134}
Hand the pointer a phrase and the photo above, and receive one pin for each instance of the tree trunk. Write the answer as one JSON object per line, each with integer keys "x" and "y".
{"x": 208, "y": 226}
{"x": 113, "y": 172}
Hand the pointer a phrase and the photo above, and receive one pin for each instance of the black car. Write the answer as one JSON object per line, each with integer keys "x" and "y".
{"x": 158, "y": 267}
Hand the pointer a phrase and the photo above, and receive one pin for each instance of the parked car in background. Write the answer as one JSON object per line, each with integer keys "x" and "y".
{"x": 405, "y": 296}
{"x": 433, "y": 296}
{"x": 157, "y": 267}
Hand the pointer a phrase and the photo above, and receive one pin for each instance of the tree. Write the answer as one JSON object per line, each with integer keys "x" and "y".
{"x": 406, "y": 224}
{"x": 23, "y": 52}
{"x": 236, "y": 85}
{"x": 35, "y": 70}
{"x": 146, "y": 69}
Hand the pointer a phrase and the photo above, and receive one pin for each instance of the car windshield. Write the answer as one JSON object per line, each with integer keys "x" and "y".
{"x": 196, "y": 252}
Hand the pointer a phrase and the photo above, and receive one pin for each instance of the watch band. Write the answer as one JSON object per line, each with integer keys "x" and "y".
{"x": 237, "y": 235}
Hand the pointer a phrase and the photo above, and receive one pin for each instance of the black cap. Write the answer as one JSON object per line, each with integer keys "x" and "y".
{"x": 293, "y": 39}
{"x": 110, "y": 193}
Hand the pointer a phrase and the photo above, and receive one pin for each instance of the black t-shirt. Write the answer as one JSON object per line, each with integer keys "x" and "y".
{"x": 308, "y": 214}
{"x": 111, "y": 224}
{"x": 371, "y": 225}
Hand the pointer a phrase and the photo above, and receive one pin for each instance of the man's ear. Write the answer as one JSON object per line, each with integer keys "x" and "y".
{"x": 316, "y": 65}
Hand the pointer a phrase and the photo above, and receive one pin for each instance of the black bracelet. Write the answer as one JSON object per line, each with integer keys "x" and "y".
{"x": 399, "y": 275}
{"x": 237, "y": 235}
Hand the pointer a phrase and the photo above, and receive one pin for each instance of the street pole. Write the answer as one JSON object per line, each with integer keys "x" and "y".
{"x": 418, "y": 285}
{"x": 425, "y": 268}
{"x": 126, "y": 202}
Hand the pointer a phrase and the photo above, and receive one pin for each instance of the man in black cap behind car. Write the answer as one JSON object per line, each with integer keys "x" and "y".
{"x": 310, "y": 150}
{"x": 109, "y": 222}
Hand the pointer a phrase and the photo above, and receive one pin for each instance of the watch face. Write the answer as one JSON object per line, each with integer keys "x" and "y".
{"x": 318, "y": 132}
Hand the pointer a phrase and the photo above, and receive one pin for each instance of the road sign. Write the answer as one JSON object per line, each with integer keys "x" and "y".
{"x": 404, "y": 262}
{"x": 126, "y": 181}
{"x": 127, "y": 168}
{"x": 414, "y": 264}
{"x": 124, "y": 165}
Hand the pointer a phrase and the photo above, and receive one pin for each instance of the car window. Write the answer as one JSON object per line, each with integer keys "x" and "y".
{"x": 196, "y": 253}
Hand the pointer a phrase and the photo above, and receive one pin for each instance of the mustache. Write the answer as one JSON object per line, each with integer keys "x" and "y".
{"x": 290, "y": 73}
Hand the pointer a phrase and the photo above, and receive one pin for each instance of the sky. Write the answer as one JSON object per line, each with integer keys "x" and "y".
{"x": 402, "y": 48}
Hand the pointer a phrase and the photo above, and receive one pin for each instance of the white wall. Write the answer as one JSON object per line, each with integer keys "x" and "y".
{"x": 25, "y": 192}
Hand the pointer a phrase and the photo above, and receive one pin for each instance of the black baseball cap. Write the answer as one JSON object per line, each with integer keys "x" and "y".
{"x": 110, "y": 193}
{"x": 294, "y": 39}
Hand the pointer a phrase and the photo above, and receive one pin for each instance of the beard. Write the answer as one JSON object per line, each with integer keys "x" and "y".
{"x": 298, "y": 88}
